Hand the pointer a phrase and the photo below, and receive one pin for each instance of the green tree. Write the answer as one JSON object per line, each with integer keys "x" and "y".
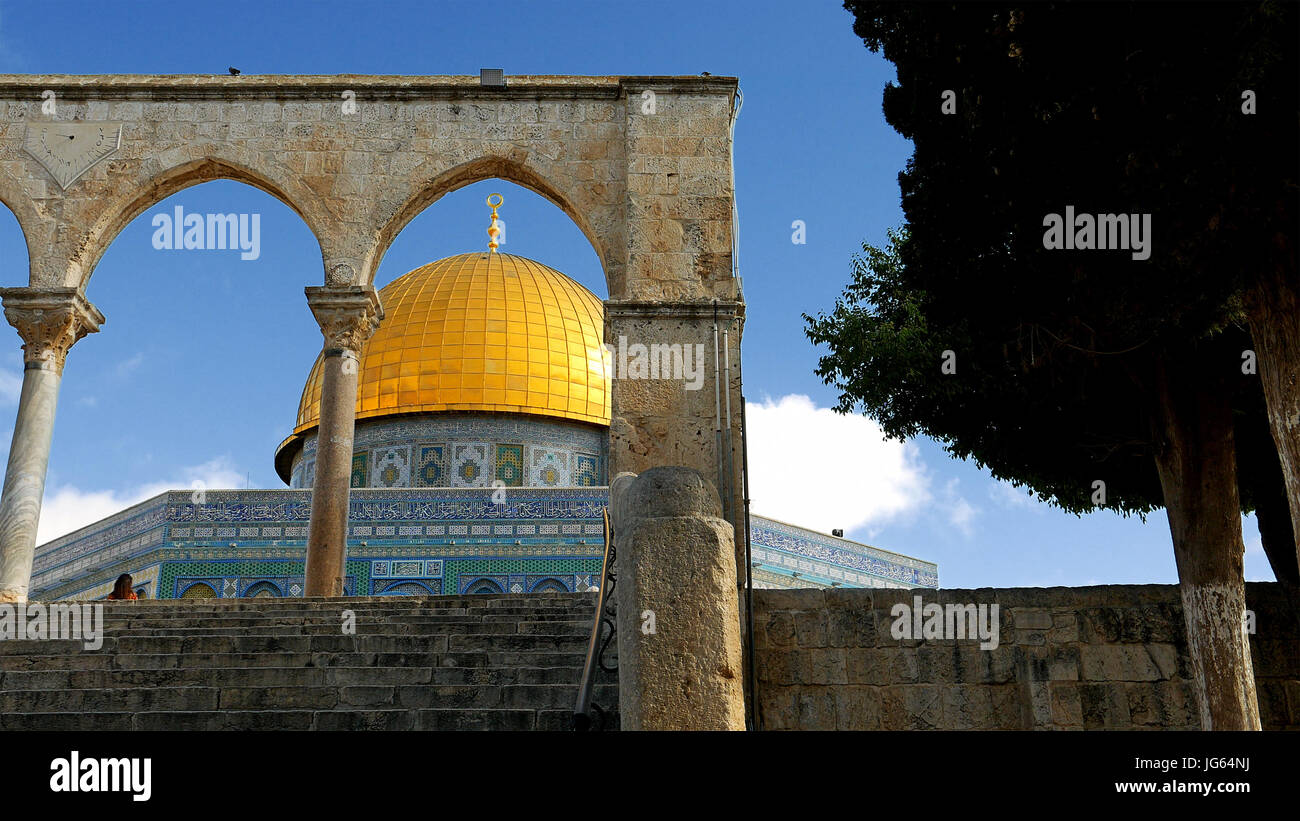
{"x": 1122, "y": 367}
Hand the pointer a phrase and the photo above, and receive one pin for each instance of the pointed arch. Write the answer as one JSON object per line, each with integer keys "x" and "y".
{"x": 477, "y": 170}
{"x": 407, "y": 588}
{"x": 140, "y": 196}
{"x": 484, "y": 585}
{"x": 263, "y": 590}
{"x": 549, "y": 584}
{"x": 199, "y": 590}
{"x": 22, "y": 206}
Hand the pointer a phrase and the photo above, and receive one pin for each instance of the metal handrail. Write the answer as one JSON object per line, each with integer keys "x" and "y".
{"x": 582, "y": 711}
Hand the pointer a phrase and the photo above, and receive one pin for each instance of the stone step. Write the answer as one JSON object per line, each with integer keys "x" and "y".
{"x": 171, "y": 661}
{"x": 284, "y": 676}
{"x": 206, "y": 698}
{"x": 432, "y": 719}
{"x": 433, "y": 663}
{"x": 248, "y": 620}
{"x": 528, "y": 601}
{"x": 251, "y": 643}
{"x": 392, "y": 628}
{"x": 337, "y": 616}
{"x": 235, "y": 607}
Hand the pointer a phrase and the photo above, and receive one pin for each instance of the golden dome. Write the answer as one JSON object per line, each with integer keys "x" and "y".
{"x": 480, "y": 332}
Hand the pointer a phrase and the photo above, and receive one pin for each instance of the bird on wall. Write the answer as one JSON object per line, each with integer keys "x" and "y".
{"x": 234, "y": 72}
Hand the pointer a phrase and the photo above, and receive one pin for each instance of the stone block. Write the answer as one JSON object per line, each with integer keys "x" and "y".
{"x": 1063, "y": 664}
{"x": 828, "y": 666}
{"x": 923, "y": 704}
{"x": 1010, "y": 711}
{"x": 777, "y": 630}
{"x": 1104, "y": 705}
{"x": 857, "y": 708}
{"x": 1064, "y": 629}
{"x": 779, "y": 708}
{"x": 849, "y": 626}
{"x": 1126, "y": 662}
{"x": 967, "y": 707}
{"x": 1066, "y": 706}
{"x": 1031, "y": 619}
{"x": 810, "y": 628}
{"x": 865, "y": 665}
{"x": 817, "y": 708}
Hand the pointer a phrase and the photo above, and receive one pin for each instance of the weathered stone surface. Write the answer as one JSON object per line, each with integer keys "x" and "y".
{"x": 358, "y": 157}
{"x": 677, "y": 574}
{"x": 49, "y": 322}
{"x": 651, "y": 189}
{"x": 1068, "y": 659}
{"x": 241, "y": 664}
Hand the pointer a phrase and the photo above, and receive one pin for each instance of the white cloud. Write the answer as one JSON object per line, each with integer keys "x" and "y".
{"x": 67, "y": 508}
{"x": 128, "y": 366}
{"x": 812, "y": 467}
{"x": 1008, "y": 495}
{"x": 960, "y": 512}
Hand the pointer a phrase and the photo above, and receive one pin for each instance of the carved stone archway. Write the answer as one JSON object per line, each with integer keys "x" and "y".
{"x": 641, "y": 164}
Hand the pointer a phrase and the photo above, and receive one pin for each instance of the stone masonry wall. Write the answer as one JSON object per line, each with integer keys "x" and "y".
{"x": 1110, "y": 657}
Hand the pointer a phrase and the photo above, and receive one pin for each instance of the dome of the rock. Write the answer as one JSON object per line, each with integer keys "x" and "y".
{"x": 480, "y": 332}
{"x": 475, "y": 335}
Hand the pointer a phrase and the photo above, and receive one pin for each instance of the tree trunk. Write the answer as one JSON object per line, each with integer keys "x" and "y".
{"x": 1274, "y": 311}
{"x": 1196, "y": 461}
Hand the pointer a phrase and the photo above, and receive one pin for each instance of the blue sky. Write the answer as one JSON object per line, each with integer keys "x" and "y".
{"x": 197, "y": 372}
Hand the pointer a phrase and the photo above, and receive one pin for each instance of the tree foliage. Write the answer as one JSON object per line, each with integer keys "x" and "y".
{"x": 1115, "y": 109}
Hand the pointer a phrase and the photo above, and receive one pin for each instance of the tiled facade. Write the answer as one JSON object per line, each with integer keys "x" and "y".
{"x": 401, "y": 542}
{"x": 407, "y": 541}
{"x": 467, "y": 450}
{"x": 783, "y": 553}
{"x": 442, "y": 502}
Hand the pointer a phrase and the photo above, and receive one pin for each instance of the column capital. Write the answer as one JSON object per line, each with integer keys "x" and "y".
{"x": 49, "y": 320}
{"x": 723, "y": 309}
{"x": 347, "y": 315}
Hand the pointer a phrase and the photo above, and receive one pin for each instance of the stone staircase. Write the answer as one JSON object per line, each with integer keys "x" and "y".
{"x": 503, "y": 662}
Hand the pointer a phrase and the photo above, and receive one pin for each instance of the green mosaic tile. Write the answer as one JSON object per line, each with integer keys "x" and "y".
{"x": 453, "y": 569}
{"x": 359, "y": 471}
{"x": 510, "y": 465}
{"x": 358, "y": 570}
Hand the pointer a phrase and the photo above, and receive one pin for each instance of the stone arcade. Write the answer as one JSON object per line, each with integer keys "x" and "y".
{"x": 478, "y": 465}
{"x": 357, "y": 158}
{"x": 652, "y": 192}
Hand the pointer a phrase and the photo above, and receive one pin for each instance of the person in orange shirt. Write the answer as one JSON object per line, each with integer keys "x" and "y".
{"x": 122, "y": 590}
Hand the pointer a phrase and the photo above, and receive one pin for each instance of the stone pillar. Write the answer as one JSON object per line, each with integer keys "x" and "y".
{"x": 49, "y": 322}
{"x": 679, "y": 651}
{"x": 347, "y": 317}
{"x": 673, "y": 419}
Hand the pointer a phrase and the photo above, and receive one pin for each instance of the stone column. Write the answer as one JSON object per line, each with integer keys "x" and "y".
{"x": 347, "y": 317}
{"x": 679, "y": 651}
{"x": 49, "y": 322}
{"x": 672, "y": 420}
